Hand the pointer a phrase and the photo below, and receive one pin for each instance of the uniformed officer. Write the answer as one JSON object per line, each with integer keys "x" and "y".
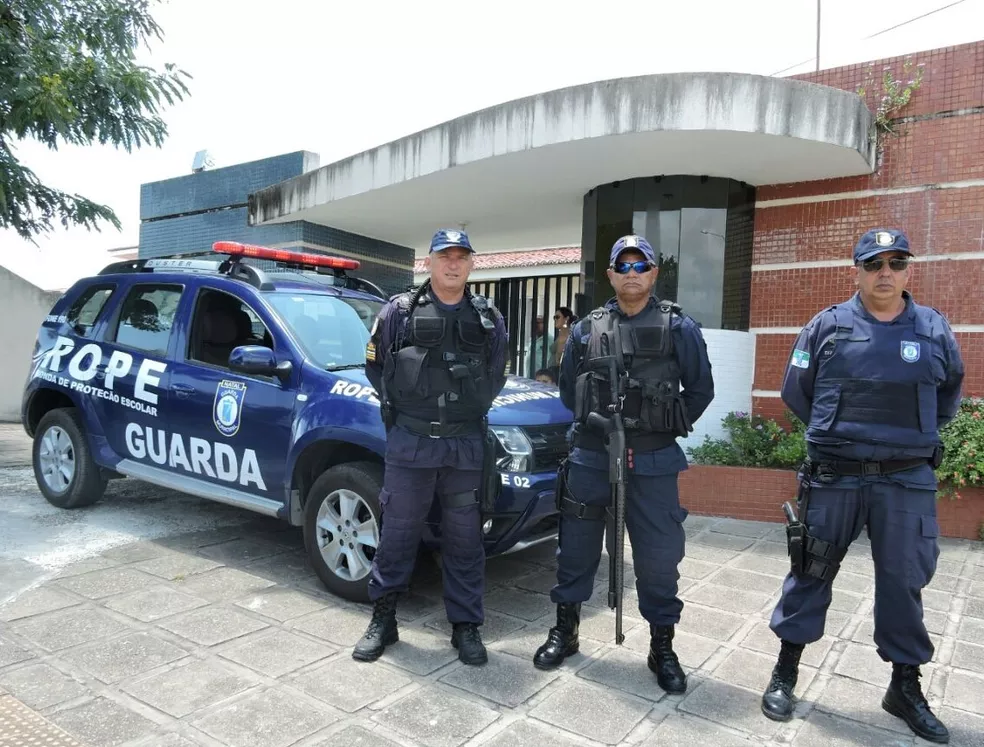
{"x": 663, "y": 351}
{"x": 437, "y": 358}
{"x": 874, "y": 378}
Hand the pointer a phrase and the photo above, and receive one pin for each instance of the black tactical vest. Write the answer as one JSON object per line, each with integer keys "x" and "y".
{"x": 441, "y": 364}
{"x": 642, "y": 350}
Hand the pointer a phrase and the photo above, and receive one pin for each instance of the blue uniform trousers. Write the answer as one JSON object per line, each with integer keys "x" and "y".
{"x": 654, "y": 522}
{"x": 417, "y": 468}
{"x": 903, "y": 530}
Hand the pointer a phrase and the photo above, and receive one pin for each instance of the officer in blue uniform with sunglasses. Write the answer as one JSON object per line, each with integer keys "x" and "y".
{"x": 668, "y": 387}
{"x": 874, "y": 378}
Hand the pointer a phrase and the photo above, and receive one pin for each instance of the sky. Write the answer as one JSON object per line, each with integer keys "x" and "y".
{"x": 338, "y": 78}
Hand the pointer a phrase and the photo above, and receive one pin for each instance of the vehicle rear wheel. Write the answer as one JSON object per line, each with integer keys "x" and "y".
{"x": 342, "y": 527}
{"x": 63, "y": 465}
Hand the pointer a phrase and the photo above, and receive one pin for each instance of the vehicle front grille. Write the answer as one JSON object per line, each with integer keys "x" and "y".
{"x": 549, "y": 445}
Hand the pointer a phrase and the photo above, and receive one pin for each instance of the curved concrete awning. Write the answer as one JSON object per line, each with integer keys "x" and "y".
{"x": 516, "y": 173}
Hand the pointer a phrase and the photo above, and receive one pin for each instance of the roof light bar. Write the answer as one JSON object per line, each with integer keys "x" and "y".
{"x": 282, "y": 255}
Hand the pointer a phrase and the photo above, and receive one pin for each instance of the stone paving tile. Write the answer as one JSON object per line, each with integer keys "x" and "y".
{"x": 775, "y": 567}
{"x": 349, "y": 685}
{"x": 519, "y": 603}
{"x": 747, "y": 580}
{"x": 281, "y": 604}
{"x": 495, "y": 627}
{"x": 354, "y": 736}
{"x": 968, "y": 656}
{"x": 752, "y": 529}
{"x": 966, "y": 729}
{"x": 62, "y": 629}
{"x": 209, "y": 626}
{"x": 716, "y": 556}
{"x": 420, "y": 651}
{"x": 341, "y": 625}
{"x": 724, "y": 542}
{"x": 435, "y": 718}
{"x": 414, "y": 606}
{"x": 239, "y": 551}
{"x": 186, "y": 689}
{"x": 730, "y": 599}
{"x": 861, "y": 702}
{"x": 592, "y": 711}
{"x": 154, "y": 603}
{"x": 524, "y": 643}
{"x": 505, "y": 679}
{"x": 136, "y": 552}
{"x": 862, "y": 663}
{"x": 111, "y": 661}
{"x": 709, "y": 622}
{"x": 221, "y": 584}
{"x": 626, "y": 670}
{"x": 753, "y": 670}
{"x": 692, "y": 650}
{"x": 170, "y": 740}
{"x": 681, "y": 730}
{"x": 266, "y": 719}
{"x": 12, "y": 653}
{"x": 823, "y": 730}
{"x": 99, "y": 584}
{"x": 530, "y": 734}
{"x": 732, "y": 706}
{"x": 41, "y": 686}
{"x": 96, "y": 563}
{"x": 36, "y": 602}
{"x": 972, "y": 607}
{"x": 103, "y": 722}
{"x": 964, "y": 690}
{"x": 276, "y": 653}
{"x": 944, "y": 582}
{"x": 600, "y": 623}
{"x": 176, "y": 566}
{"x": 697, "y": 569}
{"x": 971, "y": 630}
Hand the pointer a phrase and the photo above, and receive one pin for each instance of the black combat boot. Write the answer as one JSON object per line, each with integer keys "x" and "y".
{"x": 904, "y": 699}
{"x": 777, "y": 701}
{"x": 663, "y": 661}
{"x": 381, "y": 631}
{"x": 562, "y": 640}
{"x": 466, "y": 638}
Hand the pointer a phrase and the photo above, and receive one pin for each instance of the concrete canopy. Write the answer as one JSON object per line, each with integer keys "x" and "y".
{"x": 516, "y": 174}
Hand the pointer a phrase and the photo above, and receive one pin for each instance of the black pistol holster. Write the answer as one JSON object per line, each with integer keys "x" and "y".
{"x": 808, "y": 555}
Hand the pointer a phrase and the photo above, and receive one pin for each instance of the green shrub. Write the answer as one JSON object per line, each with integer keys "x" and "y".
{"x": 754, "y": 441}
{"x": 963, "y": 455}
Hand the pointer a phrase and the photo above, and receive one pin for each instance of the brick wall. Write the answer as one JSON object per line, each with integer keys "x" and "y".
{"x": 758, "y": 495}
{"x": 929, "y": 182}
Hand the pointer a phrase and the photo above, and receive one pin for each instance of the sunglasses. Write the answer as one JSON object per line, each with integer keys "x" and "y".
{"x": 622, "y": 268}
{"x": 897, "y": 264}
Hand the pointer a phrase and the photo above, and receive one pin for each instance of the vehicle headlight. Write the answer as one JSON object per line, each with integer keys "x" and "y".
{"x": 517, "y": 447}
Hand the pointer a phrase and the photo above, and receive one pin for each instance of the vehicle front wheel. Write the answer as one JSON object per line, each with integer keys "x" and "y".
{"x": 342, "y": 527}
{"x": 63, "y": 466}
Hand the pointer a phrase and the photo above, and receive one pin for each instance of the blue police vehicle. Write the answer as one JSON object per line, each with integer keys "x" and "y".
{"x": 242, "y": 380}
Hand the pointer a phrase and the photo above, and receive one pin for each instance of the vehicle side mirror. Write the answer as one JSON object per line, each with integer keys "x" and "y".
{"x": 256, "y": 359}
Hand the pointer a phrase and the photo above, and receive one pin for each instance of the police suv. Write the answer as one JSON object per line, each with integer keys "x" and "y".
{"x": 246, "y": 385}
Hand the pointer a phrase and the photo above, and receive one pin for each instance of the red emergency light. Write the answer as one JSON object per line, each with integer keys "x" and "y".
{"x": 282, "y": 255}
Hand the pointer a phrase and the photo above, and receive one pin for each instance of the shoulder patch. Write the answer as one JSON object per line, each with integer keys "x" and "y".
{"x": 800, "y": 359}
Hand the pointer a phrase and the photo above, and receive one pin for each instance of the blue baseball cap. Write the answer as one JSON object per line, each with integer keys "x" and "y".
{"x": 446, "y": 237}
{"x": 879, "y": 240}
{"x": 637, "y": 243}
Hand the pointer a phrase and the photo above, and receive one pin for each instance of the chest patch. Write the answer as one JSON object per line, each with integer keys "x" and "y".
{"x": 910, "y": 351}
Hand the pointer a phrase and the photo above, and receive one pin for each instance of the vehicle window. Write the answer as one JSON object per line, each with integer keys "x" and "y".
{"x": 82, "y": 314}
{"x": 147, "y": 317}
{"x": 332, "y": 330}
{"x": 222, "y": 322}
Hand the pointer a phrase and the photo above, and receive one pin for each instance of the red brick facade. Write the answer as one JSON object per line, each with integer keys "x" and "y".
{"x": 929, "y": 182}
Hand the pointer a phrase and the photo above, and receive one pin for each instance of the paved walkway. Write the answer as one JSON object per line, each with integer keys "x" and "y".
{"x": 225, "y": 637}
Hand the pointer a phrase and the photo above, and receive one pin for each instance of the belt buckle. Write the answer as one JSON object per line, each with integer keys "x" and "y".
{"x": 434, "y": 426}
{"x": 870, "y": 468}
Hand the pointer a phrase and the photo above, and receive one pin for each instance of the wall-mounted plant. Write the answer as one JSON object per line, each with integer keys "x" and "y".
{"x": 896, "y": 94}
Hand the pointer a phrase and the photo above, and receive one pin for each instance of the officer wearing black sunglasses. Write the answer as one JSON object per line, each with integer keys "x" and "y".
{"x": 667, "y": 380}
{"x": 874, "y": 378}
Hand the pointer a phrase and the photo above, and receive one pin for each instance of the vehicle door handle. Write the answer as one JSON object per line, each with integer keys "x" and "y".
{"x": 182, "y": 390}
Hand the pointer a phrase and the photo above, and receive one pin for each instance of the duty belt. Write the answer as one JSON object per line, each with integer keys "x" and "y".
{"x": 826, "y": 467}
{"x": 432, "y": 429}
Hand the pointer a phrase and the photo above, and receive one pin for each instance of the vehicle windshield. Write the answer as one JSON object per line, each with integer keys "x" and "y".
{"x": 332, "y": 330}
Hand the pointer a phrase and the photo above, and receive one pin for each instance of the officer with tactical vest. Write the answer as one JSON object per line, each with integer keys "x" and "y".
{"x": 874, "y": 378}
{"x": 664, "y": 385}
{"x": 437, "y": 358}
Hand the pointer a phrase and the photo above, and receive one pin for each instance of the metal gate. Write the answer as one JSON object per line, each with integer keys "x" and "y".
{"x": 528, "y": 306}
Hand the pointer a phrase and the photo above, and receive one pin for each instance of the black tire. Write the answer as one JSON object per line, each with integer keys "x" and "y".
{"x": 365, "y": 480}
{"x": 87, "y": 483}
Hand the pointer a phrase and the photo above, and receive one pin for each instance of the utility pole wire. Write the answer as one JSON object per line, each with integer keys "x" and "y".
{"x": 872, "y": 36}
